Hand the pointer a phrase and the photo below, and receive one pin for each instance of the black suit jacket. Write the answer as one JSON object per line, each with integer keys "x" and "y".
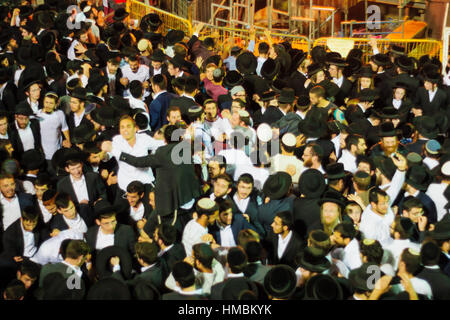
{"x": 178, "y": 296}
{"x": 184, "y": 103}
{"x": 9, "y": 96}
{"x": 153, "y": 275}
{"x": 306, "y": 215}
{"x": 71, "y": 121}
{"x": 25, "y": 200}
{"x": 13, "y": 244}
{"x": 344, "y": 92}
{"x": 297, "y": 82}
{"x": 119, "y": 88}
{"x": 170, "y": 257}
{"x": 85, "y": 212}
{"x": 252, "y": 211}
{"x": 95, "y": 187}
{"x": 16, "y": 142}
{"x": 294, "y": 246}
{"x": 176, "y": 184}
{"x": 271, "y": 115}
{"x": 124, "y": 237}
{"x": 439, "y": 102}
{"x": 438, "y": 281}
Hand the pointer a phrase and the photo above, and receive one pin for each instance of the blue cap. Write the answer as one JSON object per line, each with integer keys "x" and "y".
{"x": 433, "y": 147}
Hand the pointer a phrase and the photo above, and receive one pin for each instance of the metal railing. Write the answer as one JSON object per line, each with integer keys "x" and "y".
{"x": 138, "y": 9}
{"x": 350, "y": 24}
{"x": 241, "y": 37}
{"x": 413, "y": 47}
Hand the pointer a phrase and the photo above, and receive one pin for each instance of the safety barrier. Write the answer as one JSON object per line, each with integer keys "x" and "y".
{"x": 241, "y": 37}
{"x": 138, "y": 9}
{"x": 413, "y": 47}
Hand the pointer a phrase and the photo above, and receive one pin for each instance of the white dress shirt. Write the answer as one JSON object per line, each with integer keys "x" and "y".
{"x": 127, "y": 173}
{"x": 104, "y": 240}
{"x": 436, "y": 192}
{"x": 226, "y": 236}
{"x": 137, "y": 214}
{"x": 47, "y": 216}
{"x": 282, "y": 243}
{"x": 77, "y": 118}
{"x": 351, "y": 257}
{"x": 80, "y": 188}
{"x": 431, "y": 94}
{"x": 29, "y": 246}
{"x": 420, "y": 286}
{"x": 218, "y": 127}
{"x": 26, "y": 136}
{"x": 75, "y": 269}
{"x": 11, "y": 210}
{"x": 259, "y": 175}
{"x": 395, "y": 249}
{"x": 76, "y": 224}
{"x": 396, "y": 103}
{"x": 430, "y": 163}
{"x": 339, "y": 81}
{"x": 260, "y": 64}
{"x": 52, "y": 125}
{"x": 142, "y": 74}
{"x": 374, "y": 226}
{"x": 241, "y": 204}
{"x": 235, "y": 158}
{"x": 192, "y": 234}
{"x": 49, "y": 250}
{"x": 348, "y": 160}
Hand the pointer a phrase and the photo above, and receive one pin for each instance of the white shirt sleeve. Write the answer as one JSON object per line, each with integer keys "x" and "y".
{"x": 62, "y": 118}
{"x": 396, "y": 185}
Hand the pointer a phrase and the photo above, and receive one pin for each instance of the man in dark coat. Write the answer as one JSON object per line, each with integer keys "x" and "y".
{"x": 161, "y": 100}
{"x": 430, "y": 97}
{"x": 176, "y": 182}
{"x": 286, "y": 244}
{"x": 24, "y": 133}
{"x": 7, "y": 90}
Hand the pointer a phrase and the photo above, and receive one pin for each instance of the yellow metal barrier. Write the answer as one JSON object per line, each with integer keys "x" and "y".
{"x": 138, "y": 9}
{"x": 413, "y": 47}
{"x": 241, "y": 37}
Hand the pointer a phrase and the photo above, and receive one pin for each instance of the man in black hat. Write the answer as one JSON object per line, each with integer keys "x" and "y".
{"x": 405, "y": 67}
{"x": 32, "y": 162}
{"x": 389, "y": 144}
{"x": 77, "y": 109}
{"x": 83, "y": 188}
{"x": 161, "y": 102}
{"x": 114, "y": 74}
{"x": 336, "y": 66}
{"x": 426, "y": 129}
{"x": 25, "y": 133}
{"x": 432, "y": 98}
{"x": 299, "y": 76}
{"x": 382, "y": 80}
{"x": 7, "y": 90}
{"x": 285, "y": 242}
{"x": 157, "y": 63}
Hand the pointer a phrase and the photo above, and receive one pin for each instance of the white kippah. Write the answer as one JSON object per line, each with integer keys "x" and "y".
{"x": 446, "y": 168}
{"x": 264, "y": 132}
{"x": 206, "y": 203}
{"x": 289, "y": 140}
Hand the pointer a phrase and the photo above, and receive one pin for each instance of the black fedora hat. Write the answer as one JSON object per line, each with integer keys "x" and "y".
{"x": 337, "y": 61}
{"x": 323, "y": 287}
{"x": 278, "y": 85}
{"x": 246, "y": 63}
{"x": 385, "y": 165}
{"x": 277, "y": 185}
{"x": 25, "y": 12}
{"x": 313, "y": 259}
{"x": 215, "y": 58}
{"x": 70, "y": 154}
{"x": 441, "y": 230}
{"x": 178, "y": 61}
{"x": 354, "y": 65}
{"x": 268, "y": 96}
{"x": 154, "y": 20}
{"x": 335, "y": 171}
{"x": 359, "y": 278}
{"x": 174, "y": 36}
{"x": 79, "y": 93}
{"x": 232, "y": 78}
{"x": 158, "y": 55}
{"x": 396, "y": 49}
{"x": 426, "y": 126}
{"x": 313, "y": 69}
{"x": 32, "y": 160}
{"x": 311, "y": 183}
{"x": 287, "y": 95}
{"x": 298, "y": 59}
{"x": 105, "y": 115}
{"x": 331, "y": 88}
{"x": 233, "y": 288}
{"x": 23, "y": 108}
{"x": 119, "y": 28}
{"x": 102, "y": 262}
{"x": 381, "y": 59}
{"x": 46, "y": 19}
{"x": 280, "y": 282}
{"x": 109, "y": 289}
{"x": 433, "y": 77}
{"x": 318, "y": 54}
{"x": 404, "y": 63}
{"x": 313, "y": 126}
{"x": 388, "y": 112}
{"x": 120, "y": 14}
{"x": 387, "y": 130}
{"x": 365, "y": 72}
{"x": 418, "y": 177}
{"x": 120, "y": 104}
{"x": 83, "y": 133}
{"x": 270, "y": 69}
{"x": 400, "y": 84}
{"x": 331, "y": 197}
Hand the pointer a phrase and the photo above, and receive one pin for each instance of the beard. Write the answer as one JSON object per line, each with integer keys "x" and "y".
{"x": 308, "y": 163}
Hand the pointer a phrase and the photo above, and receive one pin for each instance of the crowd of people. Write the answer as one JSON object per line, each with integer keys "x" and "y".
{"x": 137, "y": 164}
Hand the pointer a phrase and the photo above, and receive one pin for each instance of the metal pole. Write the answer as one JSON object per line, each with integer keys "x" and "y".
{"x": 332, "y": 24}
{"x": 289, "y": 14}
{"x": 310, "y": 15}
